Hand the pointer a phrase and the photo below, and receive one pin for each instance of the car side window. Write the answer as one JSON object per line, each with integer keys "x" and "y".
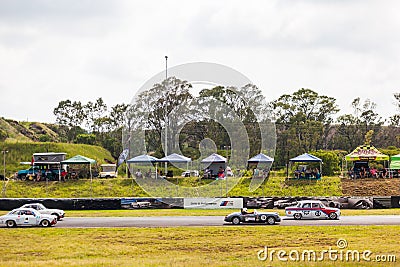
{"x": 315, "y": 205}
{"x": 306, "y": 205}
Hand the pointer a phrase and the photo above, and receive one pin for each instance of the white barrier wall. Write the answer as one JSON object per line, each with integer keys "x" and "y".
{"x": 213, "y": 203}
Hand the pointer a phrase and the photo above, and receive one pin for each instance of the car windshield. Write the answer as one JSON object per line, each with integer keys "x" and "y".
{"x": 322, "y": 205}
{"x": 40, "y": 207}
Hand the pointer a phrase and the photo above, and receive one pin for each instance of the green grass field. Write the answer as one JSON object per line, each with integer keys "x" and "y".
{"x": 188, "y": 246}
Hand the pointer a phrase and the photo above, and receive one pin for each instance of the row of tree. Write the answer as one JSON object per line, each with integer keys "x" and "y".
{"x": 305, "y": 121}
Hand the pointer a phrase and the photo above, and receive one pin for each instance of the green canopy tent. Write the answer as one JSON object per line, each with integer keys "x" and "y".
{"x": 395, "y": 162}
{"x": 78, "y": 159}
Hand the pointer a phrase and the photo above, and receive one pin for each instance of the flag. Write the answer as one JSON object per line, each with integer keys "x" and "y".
{"x": 122, "y": 157}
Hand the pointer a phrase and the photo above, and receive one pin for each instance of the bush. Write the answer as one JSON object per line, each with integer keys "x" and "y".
{"x": 88, "y": 139}
{"x": 3, "y": 135}
{"x": 330, "y": 161}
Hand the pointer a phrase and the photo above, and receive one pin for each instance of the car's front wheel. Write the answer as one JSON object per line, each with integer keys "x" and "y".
{"x": 271, "y": 220}
{"x": 297, "y": 216}
{"x": 45, "y": 223}
{"x": 235, "y": 220}
{"x": 333, "y": 216}
{"x": 10, "y": 224}
{"x": 58, "y": 216}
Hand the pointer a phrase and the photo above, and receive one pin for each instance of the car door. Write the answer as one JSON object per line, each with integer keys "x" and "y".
{"x": 26, "y": 217}
{"x": 249, "y": 217}
{"x": 316, "y": 211}
{"x": 306, "y": 210}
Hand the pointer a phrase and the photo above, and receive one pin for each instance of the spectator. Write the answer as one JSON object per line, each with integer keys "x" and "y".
{"x": 138, "y": 174}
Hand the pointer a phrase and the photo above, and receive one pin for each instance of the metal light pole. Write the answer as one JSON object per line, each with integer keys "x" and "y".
{"x": 226, "y": 173}
{"x": 4, "y": 173}
{"x": 166, "y": 115}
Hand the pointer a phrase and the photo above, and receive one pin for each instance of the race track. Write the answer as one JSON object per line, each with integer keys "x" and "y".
{"x": 169, "y": 221}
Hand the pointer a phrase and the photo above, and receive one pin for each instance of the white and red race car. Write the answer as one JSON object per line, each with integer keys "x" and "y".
{"x": 312, "y": 209}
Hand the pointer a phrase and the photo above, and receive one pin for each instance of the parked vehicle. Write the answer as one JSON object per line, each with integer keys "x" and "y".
{"x": 27, "y": 217}
{"x": 252, "y": 217}
{"x": 108, "y": 171}
{"x": 42, "y": 209}
{"x": 312, "y": 209}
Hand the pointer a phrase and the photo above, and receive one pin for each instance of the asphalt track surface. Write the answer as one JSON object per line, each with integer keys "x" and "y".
{"x": 174, "y": 221}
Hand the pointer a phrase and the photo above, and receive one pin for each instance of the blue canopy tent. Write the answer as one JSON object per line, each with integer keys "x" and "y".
{"x": 260, "y": 160}
{"x": 213, "y": 163}
{"x": 307, "y": 158}
{"x": 176, "y": 158}
{"x": 144, "y": 160}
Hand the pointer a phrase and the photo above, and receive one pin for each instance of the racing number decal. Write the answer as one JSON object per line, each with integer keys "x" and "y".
{"x": 318, "y": 213}
{"x": 306, "y": 212}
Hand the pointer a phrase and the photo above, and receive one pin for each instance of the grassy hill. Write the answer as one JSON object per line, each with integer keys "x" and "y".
{"x": 11, "y": 130}
{"x": 21, "y": 151}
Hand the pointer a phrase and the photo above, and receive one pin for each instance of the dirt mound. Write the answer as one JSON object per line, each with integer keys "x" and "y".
{"x": 371, "y": 187}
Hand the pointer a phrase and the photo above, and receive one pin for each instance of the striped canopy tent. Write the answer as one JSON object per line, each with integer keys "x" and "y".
{"x": 366, "y": 153}
{"x": 395, "y": 162}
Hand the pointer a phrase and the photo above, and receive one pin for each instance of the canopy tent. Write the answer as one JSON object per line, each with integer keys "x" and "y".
{"x": 395, "y": 162}
{"x": 143, "y": 159}
{"x": 216, "y": 165}
{"x": 261, "y": 159}
{"x": 214, "y": 158}
{"x": 175, "y": 158}
{"x": 307, "y": 158}
{"x": 78, "y": 159}
{"x": 366, "y": 152}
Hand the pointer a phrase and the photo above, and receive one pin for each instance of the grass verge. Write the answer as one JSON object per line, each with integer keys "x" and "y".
{"x": 124, "y": 187}
{"x": 187, "y": 246}
{"x": 199, "y": 212}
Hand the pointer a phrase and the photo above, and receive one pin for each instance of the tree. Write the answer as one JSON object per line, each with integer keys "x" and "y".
{"x": 303, "y": 121}
{"x": 353, "y": 128}
{"x": 94, "y": 114}
{"x": 152, "y": 110}
{"x": 71, "y": 115}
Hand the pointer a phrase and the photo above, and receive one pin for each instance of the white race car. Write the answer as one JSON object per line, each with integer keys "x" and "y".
{"x": 43, "y": 210}
{"x": 312, "y": 209}
{"x": 27, "y": 217}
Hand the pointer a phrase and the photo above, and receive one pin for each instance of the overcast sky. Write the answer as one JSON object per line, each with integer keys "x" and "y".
{"x": 81, "y": 50}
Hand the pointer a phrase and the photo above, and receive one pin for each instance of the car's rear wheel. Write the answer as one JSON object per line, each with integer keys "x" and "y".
{"x": 333, "y": 216}
{"x": 10, "y": 224}
{"x": 45, "y": 223}
{"x": 297, "y": 216}
{"x": 22, "y": 177}
{"x": 271, "y": 220}
{"x": 235, "y": 220}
